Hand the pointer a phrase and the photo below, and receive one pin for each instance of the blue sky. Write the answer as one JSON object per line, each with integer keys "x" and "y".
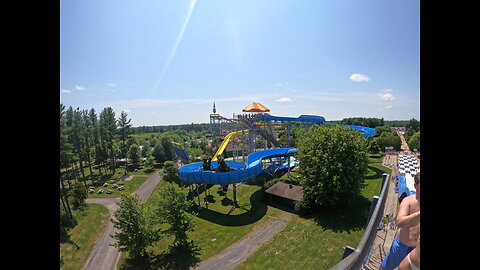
{"x": 165, "y": 62}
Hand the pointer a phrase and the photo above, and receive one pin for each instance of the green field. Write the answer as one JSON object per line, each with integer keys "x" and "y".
{"x": 76, "y": 247}
{"x": 316, "y": 242}
{"x": 221, "y": 224}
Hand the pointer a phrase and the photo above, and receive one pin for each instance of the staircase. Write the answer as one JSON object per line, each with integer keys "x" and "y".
{"x": 250, "y": 123}
{"x": 375, "y": 259}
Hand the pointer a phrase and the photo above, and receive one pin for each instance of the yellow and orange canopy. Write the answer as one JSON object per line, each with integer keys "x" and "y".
{"x": 255, "y": 107}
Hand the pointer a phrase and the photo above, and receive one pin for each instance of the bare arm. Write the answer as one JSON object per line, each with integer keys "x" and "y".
{"x": 403, "y": 218}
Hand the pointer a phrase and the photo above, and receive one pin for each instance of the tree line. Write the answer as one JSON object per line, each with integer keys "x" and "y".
{"x": 204, "y": 127}
{"x": 93, "y": 142}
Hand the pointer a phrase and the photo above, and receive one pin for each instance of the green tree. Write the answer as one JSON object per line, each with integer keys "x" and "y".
{"x": 173, "y": 208}
{"x": 66, "y": 160}
{"x": 124, "y": 131}
{"x": 159, "y": 153}
{"x": 387, "y": 140}
{"x": 108, "y": 129}
{"x": 383, "y": 130}
{"x": 137, "y": 226}
{"x": 333, "y": 164}
{"x": 146, "y": 151}
{"x": 413, "y": 124}
{"x": 78, "y": 139}
{"x": 88, "y": 139}
{"x": 170, "y": 172}
{"x": 373, "y": 147}
{"x": 168, "y": 149}
{"x": 78, "y": 195}
{"x": 414, "y": 142}
{"x": 134, "y": 154}
{"x": 150, "y": 161}
{"x": 95, "y": 135}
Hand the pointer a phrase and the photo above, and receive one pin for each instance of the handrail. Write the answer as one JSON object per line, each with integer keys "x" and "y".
{"x": 357, "y": 259}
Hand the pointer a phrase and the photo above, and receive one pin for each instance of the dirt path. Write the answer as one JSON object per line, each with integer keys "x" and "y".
{"x": 237, "y": 253}
{"x": 104, "y": 256}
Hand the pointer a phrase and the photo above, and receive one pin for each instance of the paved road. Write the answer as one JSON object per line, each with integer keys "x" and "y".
{"x": 237, "y": 253}
{"x": 103, "y": 255}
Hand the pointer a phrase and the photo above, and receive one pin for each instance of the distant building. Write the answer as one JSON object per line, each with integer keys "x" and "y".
{"x": 284, "y": 194}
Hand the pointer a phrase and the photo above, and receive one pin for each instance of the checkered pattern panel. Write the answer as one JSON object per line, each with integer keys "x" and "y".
{"x": 408, "y": 164}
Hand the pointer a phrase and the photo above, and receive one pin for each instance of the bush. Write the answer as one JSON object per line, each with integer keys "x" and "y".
{"x": 333, "y": 162}
{"x": 78, "y": 195}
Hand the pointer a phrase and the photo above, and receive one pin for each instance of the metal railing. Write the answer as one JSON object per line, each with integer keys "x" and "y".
{"x": 358, "y": 258}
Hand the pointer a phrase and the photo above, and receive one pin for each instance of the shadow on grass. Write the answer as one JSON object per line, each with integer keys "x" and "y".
{"x": 378, "y": 173}
{"x": 177, "y": 258}
{"x": 257, "y": 210}
{"x": 346, "y": 218}
{"x": 65, "y": 238}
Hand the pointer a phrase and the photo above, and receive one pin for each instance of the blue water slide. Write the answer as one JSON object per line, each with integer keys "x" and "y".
{"x": 403, "y": 187}
{"x": 182, "y": 153}
{"x": 193, "y": 173}
{"x": 315, "y": 119}
{"x": 311, "y": 119}
{"x": 366, "y": 131}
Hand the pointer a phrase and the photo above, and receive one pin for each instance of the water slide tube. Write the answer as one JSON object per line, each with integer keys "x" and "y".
{"x": 314, "y": 119}
{"x": 193, "y": 173}
{"x": 225, "y": 142}
{"x": 366, "y": 131}
{"x": 181, "y": 153}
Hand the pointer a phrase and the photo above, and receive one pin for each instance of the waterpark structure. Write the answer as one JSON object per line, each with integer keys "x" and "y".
{"x": 244, "y": 129}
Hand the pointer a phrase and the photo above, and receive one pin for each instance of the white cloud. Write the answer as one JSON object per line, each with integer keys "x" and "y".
{"x": 278, "y": 84}
{"x": 284, "y": 99}
{"x": 79, "y": 87}
{"x": 357, "y": 77}
{"x": 66, "y": 91}
{"x": 386, "y": 95}
{"x": 388, "y": 107}
{"x": 112, "y": 85}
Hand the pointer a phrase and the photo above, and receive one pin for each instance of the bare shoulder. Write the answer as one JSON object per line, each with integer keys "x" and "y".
{"x": 406, "y": 203}
{"x": 410, "y": 199}
{"x": 407, "y": 200}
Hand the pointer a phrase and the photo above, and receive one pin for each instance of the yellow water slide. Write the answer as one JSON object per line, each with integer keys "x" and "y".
{"x": 225, "y": 142}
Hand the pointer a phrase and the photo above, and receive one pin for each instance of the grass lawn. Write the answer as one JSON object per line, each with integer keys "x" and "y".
{"x": 316, "y": 242}
{"x": 221, "y": 224}
{"x": 75, "y": 249}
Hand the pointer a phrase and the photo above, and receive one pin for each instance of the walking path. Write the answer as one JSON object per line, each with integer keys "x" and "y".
{"x": 237, "y": 253}
{"x": 383, "y": 240}
{"x": 104, "y": 256}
